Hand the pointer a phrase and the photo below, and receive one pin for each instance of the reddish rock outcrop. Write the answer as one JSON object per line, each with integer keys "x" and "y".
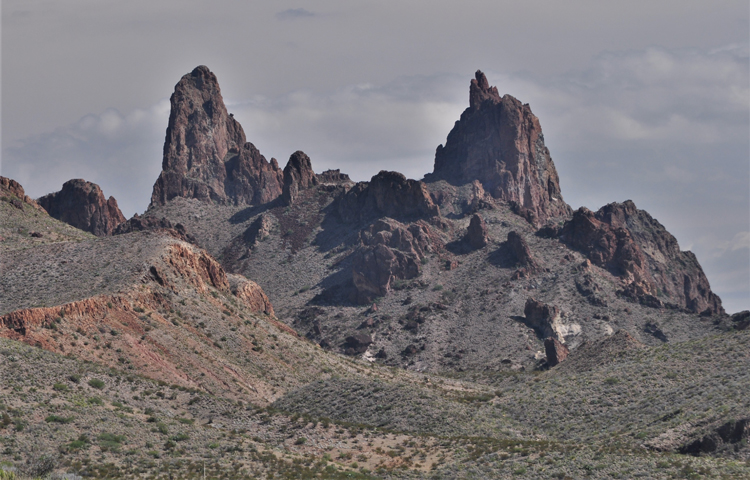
{"x": 556, "y": 352}
{"x": 83, "y": 205}
{"x": 632, "y": 244}
{"x": 388, "y": 194}
{"x": 298, "y": 175}
{"x": 499, "y": 142}
{"x": 206, "y": 155}
{"x": 476, "y": 234}
{"x": 520, "y": 254}
{"x": 389, "y": 251}
{"x": 10, "y": 188}
{"x": 138, "y": 223}
{"x": 251, "y": 293}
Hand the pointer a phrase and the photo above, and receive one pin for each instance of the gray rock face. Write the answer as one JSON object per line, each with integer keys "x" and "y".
{"x": 206, "y": 155}
{"x": 499, "y": 142}
{"x": 83, "y": 205}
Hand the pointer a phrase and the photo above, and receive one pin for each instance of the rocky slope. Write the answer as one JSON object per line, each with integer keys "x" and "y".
{"x": 83, "y": 205}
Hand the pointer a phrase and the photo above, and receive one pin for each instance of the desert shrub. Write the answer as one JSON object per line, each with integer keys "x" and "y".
{"x": 60, "y": 387}
{"x": 96, "y": 383}
{"x": 58, "y": 419}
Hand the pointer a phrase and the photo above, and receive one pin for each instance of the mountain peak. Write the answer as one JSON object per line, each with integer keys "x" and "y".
{"x": 206, "y": 155}
{"x": 499, "y": 142}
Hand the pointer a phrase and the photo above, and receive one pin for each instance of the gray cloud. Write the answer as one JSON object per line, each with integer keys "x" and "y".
{"x": 667, "y": 128}
{"x": 294, "y": 13}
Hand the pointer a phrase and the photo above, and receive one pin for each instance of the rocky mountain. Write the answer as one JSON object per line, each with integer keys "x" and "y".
{"x": 206, "y": 155}
{"x": 83, "y": 205}
{"x": 249, "y": 308}
{"x": 499, "y": 142}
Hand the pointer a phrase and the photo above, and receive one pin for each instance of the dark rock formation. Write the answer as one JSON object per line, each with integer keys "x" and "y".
{"x": 333, "y": 176}
{"x": 298, "y": 175}
{"x": 389, "y": 251}
{"x": 356, "y": 344}
{"x": 544, "y": 319}
{"x": 147, "y": 222}
{"x": 499, "y": 142}
{"x": 206, "y": 155}
{"x": 476, "y": 234}
{"x": 632, "y": 244}
{"x": 388, "y": 194}
{"x": 83, "y": 205}
{"x": 728, "y": 434}
{"x": 519, "y": 250}
{"x": 556, "y": 352}
{"x": 259, "y": 230}
{"x": 741, "y": 320}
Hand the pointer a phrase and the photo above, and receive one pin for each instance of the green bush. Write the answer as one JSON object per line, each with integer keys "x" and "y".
{"x": 60, "y": 387}
{"x": 58, "y": 419}
{"x": 96, "y": 383}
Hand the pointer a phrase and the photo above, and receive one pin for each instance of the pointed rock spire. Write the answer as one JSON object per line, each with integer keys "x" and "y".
{"x": 499, "y": 142}
{"x": 206, "y": 155}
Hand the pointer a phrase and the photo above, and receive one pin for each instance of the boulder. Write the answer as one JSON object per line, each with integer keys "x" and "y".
{"x": 83, "y": 205}
{"x": 556, "y": 351}
{"x": 544, "y": 319}
{"x": 357, "y": 344}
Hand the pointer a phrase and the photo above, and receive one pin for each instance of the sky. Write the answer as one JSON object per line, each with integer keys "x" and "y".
{"x": 641, "y": 100}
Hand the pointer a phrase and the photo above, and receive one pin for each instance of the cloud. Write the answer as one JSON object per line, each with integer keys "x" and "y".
{"x": 119, "y": 152}
{"x": 294, "y": 13}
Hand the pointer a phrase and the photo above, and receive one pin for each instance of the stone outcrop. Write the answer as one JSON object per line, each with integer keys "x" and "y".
{"x": 499, "y": 142}
{"x": 251, "y": 293}
{"x": 741, "y": 320}
{"x": 476, "y": 233}
{"x": 387, "y": 194}
{"x": 138, "y": 223}
{"x": 356, "y": 344}
{"x": 556, "y": 352}
{"x": 389, "y": 251}
{"x": 544, "y": 319}
{"x": 259, "y": 230}
{"x": 298, "y": 175}
{"x": 206, "y": 155}
{"x": 725, "y": 437}
{"x": 83, "y": 205}
{"x": 15, "y": 194}
{"x": 519, "y": 250}
{"x": 333, "y": 177}
{"x": 636, "y": 247}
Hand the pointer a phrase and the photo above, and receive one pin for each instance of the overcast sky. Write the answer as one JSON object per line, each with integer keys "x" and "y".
{"x": 642, "y": 100}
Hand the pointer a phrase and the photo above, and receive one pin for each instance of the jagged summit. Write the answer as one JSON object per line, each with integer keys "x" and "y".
{"x": 206, "y": 155}
{"x": 499, "y": 142}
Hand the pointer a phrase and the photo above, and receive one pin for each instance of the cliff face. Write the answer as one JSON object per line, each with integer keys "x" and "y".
{"x": 206, "y": 155}
{"x": 83, "y": 205}
{"x": 636, "y": 247}
{"x": 499, "y": 142}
